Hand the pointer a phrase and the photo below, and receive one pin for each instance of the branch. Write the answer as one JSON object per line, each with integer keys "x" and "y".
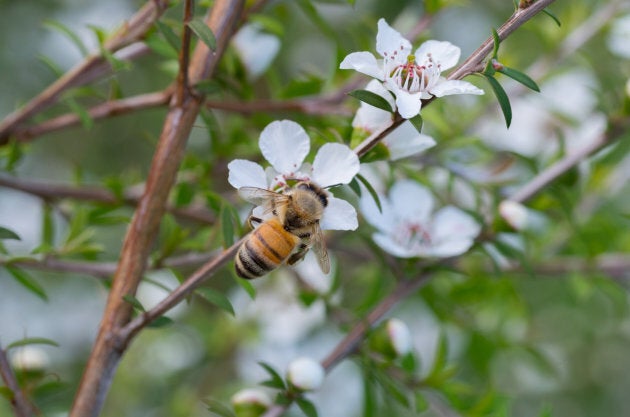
{"x": 101, "y": 111}
{"x": 49, "y": 191}
{"x": 473, "y": 64}
{"x": 91, "y": 68}
{"x": 20, "y": 404}
{"x": 184, "y": 109}
{"x": 540, "y": 181}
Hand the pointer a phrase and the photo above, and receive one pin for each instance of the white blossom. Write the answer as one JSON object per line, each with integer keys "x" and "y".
{"x": 306, "y": 374}
{"x": 256, "y": 48}
{"x": 399, "y": 336}
{"x": 411, "y": 77}
{"x": 285, "y": 145}
{"x": 408, "y": 227}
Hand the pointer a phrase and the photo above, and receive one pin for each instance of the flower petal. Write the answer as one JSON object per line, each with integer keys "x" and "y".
{"x": 256, "y": 48}
{"x": 444, "y": 53}
{"x": 339, "y": 215}
{"x": 405, "y": 141}
{"x": 411, "y": 201}
{"x": 370, "y": 118}
{"x": 392, "y": 247}
{"x": 409, "y": 105}
{"x": 384, "y": 220}
{"x": 284, "y": 144}
{"x": 335, "y": 164}
{"x": 450, "y": 87}
{"x": 244, "y": 173}
{"x": 453, "y": 232}
{"x": 365, "y": 63}
{"x": 390, "y": 43}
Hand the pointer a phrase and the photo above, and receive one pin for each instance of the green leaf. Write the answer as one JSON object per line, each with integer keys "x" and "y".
{"x": 13, "y": 153}
{"x": 520, "y": 77}
{"x": 354, "y": 186}
{"x": 32, "y": 341}
{"x": 245, "y": 284}
{"x": 216, "y": 298}
{"x": 7, "y": 393}
{"x": 417, "y": 122}
{"x": 551, "y": 15}
{"x": 308, "y": 86}
{"x": 203, "y": 32}
{"x": 135, "y": 303}
{"x": 497, "y": 41}
{"x": 160, "y": 321}
{"x": 503, "y": 99}
{"x": 48, "y": 225}
{"x": 160, "y": 46}
{"x": 8, "y": 234}
{"x": 227, "y": 227}
{"x": 208, "y": 86}
{"x": 218, "y": 408}
{"x": 64, "y": 30}
{"x": 268, "y": 24}
{"x": 51, "y": 65}
{"x": 372, "y": 99}
{"x": 441, "y": 357}
{"x": 27, "y": 281}
{"x": 307, "y": 407}
{"x": 371, "y": 190}
{"x": 275, "y": 380}
{"x": 173, "y": 40}
{"x": 84, "y": 115}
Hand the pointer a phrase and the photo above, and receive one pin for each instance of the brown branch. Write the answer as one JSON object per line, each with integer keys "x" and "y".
{"x": 54, "y": 192}
{"x": 101, "y": 111}
{"x": 186, "y": 288}
{"x": 108, "y": 348}
{"x": 89, "y": 69}
{"x": 540, "y": 181}
{"x": 21, "y": 406}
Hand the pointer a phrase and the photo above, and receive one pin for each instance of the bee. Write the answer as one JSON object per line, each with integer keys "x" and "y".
{"x": 288, "y": 235}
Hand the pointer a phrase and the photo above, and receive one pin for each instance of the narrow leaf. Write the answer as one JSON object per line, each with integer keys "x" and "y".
{"x": 86, "y": 120}
{"x": 51, "y": 65}
{"x": 307, "y": 407}
{"x": 503, "y": 99}
{"x": 8, "y": 234}
{"x": 161, "y": 321}
{"x": 27, "y": 281}
{"x": 227, "y": 227}
{"x": 354, "y": 186}
{"x": 170, "y": 36}
{"x": 203, "y": 32}
{"x": 64, "y": 30}
{"x": 245, "y": 284}
{"x": 135, "y": 303}
{"x": 417, "y": 122}
{"x": 520, "y": 77}
{"x": 497, "y": 41}
{"x": 218, "y": 408}
{"x": 372, "y": 99}
{"x": 371, "y": 190}
{"x": 48, "y": 225}
{"x": 551, "y": 15}
{"x": 217, "y": 298}
{"x": 32, "y": 341}
{"x": 276, "y": 380}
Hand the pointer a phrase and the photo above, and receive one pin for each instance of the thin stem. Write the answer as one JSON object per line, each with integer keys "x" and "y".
{"x": 19, "y": 403}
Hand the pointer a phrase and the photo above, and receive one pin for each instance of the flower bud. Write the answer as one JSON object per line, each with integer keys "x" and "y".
{"x": 305, "y": 374}
{"x": 496, "y": 65}
{"x": 392, "y": 339}
{"x": 30, "y": 359}
{"x": 250, "y": 403}
{"x": 514, "y": 213}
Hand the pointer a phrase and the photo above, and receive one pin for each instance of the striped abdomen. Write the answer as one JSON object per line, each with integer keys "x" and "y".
{"x": 267, "y": 247}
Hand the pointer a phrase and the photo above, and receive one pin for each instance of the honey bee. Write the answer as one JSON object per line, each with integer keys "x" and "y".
{"x": 288, "y": 235}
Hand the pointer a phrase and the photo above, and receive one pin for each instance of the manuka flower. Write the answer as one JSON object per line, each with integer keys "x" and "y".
{"x": 403, "y": 141}
{"x": 410, "y": 77}
{"x": 407, "y": 226}
{"x": 285, "y": 144}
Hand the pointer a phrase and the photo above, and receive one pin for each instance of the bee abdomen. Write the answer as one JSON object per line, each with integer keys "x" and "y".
{"x": 267, "y": 247}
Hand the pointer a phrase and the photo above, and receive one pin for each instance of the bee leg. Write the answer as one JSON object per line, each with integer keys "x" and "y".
{"x": 253, "y": 219}
{"x": 299, "y": 254}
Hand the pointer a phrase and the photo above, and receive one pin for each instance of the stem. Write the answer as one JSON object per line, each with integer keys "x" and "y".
{"x": 20, "y": 404}
{"x": 108, "y": 348}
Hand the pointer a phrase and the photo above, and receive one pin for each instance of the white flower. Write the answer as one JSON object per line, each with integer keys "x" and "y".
{"x": 411, "y": 77}
{"x": 407, "y": 227}
{"x": 251, "y": 402}
{"x": 285, "y": 144}
{"x": 30, "y": 358}
{"x": 514, "y": 213}
{"x": 403, "y": 141}
{"x": 399, "y": 335}
{"x": 306, "y": 374}
{"x": 618, "y": 36}
{"x": 256, "y": 48}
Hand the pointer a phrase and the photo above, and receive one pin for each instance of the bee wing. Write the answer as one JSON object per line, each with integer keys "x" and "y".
{"x": 262, "y": 197}
{"x": 319, "y": 248}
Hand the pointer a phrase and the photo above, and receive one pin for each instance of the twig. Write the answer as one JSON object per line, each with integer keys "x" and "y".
{"x": 92, "y": 67}
{"x": 54, "y": 192}
{"x": 20, "y": 404}
{"x": 562, "y": 166}
{"x": 137, "y": 244}
{"x": 101, "y": 111}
